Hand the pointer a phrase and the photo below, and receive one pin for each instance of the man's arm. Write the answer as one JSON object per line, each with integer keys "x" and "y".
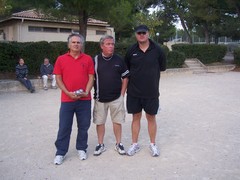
{"x": 89, "y": 85}
{"x": 61, "y": 85}
{"x": 42, "y": 70}
{"x": 162, "y": 61}
{"x": 124, "y": 86}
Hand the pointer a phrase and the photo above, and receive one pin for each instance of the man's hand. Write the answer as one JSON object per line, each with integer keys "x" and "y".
{"x": 73, "y": 96}
{"x": 49, "y": 76}
{"x": 84, "y": 94}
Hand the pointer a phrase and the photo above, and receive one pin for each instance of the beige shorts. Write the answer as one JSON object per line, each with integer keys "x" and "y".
{"x": 117, "y": 111}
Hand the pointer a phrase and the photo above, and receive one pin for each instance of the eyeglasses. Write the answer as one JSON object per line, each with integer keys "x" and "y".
{"x": 139, "y": 33}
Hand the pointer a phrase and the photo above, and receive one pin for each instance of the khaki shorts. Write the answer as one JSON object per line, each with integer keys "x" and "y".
{"x": 117, "y": 111}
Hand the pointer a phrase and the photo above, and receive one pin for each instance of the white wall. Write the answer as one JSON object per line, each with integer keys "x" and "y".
{"x": 19, "y": 32}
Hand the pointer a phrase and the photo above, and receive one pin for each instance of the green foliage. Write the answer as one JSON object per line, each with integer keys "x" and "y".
{"x": 175, "y": 59}
{"x": 204, "y": 52}
{"x": 237, "y": 56}
{"x": 8, "y": 55}
{"x": 59, "y": 48}
{"x": 92, "y": 48}
{"x": 35, "y": 52}
{"x": 151, "y": 20}
{"x": 121, "y": 48}
{"x": 120, "y": 17}
{"x": 4, "y": 7}
{"x": 165, "y": 50}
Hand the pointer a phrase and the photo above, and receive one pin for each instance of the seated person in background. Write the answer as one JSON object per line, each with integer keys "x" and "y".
{"x": 21, "y": 75}
{"x": 47, "y": 73}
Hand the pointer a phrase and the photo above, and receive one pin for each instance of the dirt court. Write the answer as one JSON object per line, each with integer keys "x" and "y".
{"x": 198, "y": 134}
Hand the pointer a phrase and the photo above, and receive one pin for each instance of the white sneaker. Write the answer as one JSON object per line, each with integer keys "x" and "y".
{"x": 154, "y": 150}
{"x": 58, "y": 159}
{"x": 134, "y": 148}
{"x": 82, "y": 155}
{"x": 120, "y": 149}
{"x": 100, "y": 148}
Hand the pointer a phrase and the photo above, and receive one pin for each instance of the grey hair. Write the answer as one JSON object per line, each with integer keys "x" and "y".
{"x": 103, "y": 38}
{"x": 77, "y": 35}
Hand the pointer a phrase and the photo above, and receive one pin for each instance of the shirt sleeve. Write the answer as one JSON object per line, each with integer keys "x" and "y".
{"x": 125, "y": 71}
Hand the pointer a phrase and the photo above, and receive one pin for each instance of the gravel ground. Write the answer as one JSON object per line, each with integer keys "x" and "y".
{"x": 198, "y": 134}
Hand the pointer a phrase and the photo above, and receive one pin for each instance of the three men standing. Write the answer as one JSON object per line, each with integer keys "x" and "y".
{"x": 75, "y": 71}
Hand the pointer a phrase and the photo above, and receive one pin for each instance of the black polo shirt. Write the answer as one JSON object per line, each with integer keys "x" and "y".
{"x": 145, "y": 70}
{"x": 108, "y": 77}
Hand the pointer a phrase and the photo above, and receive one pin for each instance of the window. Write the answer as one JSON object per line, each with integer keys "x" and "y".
{"x": 98, "y": 32}
{"x": 34, "y": 29}
{"x": 50, "y": 29}
{"x": 76, "y": 31}
{"x": 65, "y": 30}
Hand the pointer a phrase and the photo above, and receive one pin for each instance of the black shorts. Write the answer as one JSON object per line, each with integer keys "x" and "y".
{"x": 135, "y": 105}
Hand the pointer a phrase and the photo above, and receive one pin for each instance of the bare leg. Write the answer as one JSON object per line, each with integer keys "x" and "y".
{"x": 117, "y": 129}
{"x": 100, "y": 133}
{"x": 152, "y": 127}
{"x": 136, "y": 125}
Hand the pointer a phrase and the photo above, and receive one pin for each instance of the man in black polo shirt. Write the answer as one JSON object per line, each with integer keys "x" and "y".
{"x": 110, "y": 86}
{"x": 145, "y": 60}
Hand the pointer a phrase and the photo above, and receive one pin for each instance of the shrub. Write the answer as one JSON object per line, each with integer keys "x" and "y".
{"x": 237, "y": 56}
{"x": 165, "y": 49}
{"x": 204, "y": 52}
{"x": 34, "y": 53}
{"x": 9, "y": 53}
{"x": 58, "y": 48}
{"x": 92, "y": 48}
{"x": 175, "y": 59}
{"x": 121, "y": 48}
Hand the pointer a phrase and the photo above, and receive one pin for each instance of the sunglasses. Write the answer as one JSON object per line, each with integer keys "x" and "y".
{"x": 139, "y": 33}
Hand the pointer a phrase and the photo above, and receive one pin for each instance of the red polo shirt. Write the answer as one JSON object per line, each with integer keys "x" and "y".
{"x": 74, "y": 72}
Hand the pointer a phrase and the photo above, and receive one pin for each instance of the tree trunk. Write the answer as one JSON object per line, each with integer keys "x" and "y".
{"x": 83, "y": 20}
{"x": 216, "y": 39}
{"x": 186, "y": 30}
{"x": 206, "y": 32}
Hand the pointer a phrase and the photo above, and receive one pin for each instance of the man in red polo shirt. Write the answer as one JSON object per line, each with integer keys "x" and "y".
{"x": 74, "y": 75}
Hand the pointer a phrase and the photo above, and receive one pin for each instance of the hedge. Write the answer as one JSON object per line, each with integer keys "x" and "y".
{"x": 9, "y": 52}
{"x": 204, "y": 52}
{"x": 175, "y": 59}
{"x": 34, "y": 52}
{"x": 237, "y": 56}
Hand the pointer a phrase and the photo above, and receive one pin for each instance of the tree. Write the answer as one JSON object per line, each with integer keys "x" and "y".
{"x": 151, "y": 20}
{"x": 4, "y": 7}
{"x": 79, "y": 10}
{"x": 82, "y": 10}
{"x": 234, "y": 4}
{"x": 121, "y": 17}
{"x": 216, "y": 18}
{"x": 179, "y": 10}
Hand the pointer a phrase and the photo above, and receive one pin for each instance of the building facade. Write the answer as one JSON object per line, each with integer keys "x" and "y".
{"x": 32, "y": 26}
